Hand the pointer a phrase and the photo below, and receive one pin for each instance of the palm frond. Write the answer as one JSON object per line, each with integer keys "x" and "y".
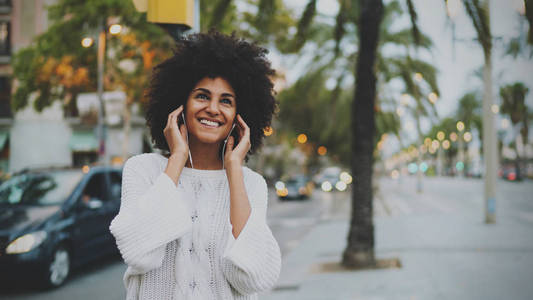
{"x": 218, "y": 14}
{"x": 341, "y": 19}
{"x": 305, "y": 23}
{"x": 529, "y": 16}
{"x": 414, "y": 25}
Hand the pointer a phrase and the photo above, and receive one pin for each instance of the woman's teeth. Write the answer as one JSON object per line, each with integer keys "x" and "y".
{"x": 209, "y": 123}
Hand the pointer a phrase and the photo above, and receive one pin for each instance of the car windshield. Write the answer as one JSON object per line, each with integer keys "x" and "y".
{"x": 39, "y": 188}
{"x": 296, "y": 180}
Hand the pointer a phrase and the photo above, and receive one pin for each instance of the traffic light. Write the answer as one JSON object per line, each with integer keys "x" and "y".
{"x": 175, "y": 16}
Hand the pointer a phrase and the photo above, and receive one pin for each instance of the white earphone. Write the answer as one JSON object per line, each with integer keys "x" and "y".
{"x": 184, "y": 123}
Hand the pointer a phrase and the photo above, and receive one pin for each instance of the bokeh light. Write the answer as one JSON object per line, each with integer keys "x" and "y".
{"x": 302, "y": 138}
{"x": 87, "y": 42}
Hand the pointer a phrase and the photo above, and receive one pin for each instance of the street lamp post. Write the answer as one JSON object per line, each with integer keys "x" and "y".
{"x": 102, "y": 130}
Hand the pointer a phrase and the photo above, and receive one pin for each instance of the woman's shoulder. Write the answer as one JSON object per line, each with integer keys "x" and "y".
{"x": 145, "y": 161}
{"x": 252, "y": 176}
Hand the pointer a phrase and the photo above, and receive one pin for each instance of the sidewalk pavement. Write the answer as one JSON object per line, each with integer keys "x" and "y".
{"x": 444, "y": 254}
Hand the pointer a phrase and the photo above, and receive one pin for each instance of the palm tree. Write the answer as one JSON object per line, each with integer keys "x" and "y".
{"x": 513, "y": 104}
{"x": 360, "y": 249}
{"x": 357, "y": 23}
{"x": 479, "y": 13}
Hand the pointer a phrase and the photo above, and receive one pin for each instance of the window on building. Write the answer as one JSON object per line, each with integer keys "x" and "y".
{"x": 5, "y": 44}
{"x": 5, "y": 6}
{"x": 5, "y": 98}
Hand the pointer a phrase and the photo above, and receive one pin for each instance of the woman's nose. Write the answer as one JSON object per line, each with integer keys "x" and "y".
{"x": 213, "y": 107}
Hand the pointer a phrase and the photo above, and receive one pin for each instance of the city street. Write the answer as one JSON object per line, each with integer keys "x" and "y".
{"x": 445, "y": 249}
{"x": 289, "y": 221}
{"x": 293, "y": 221}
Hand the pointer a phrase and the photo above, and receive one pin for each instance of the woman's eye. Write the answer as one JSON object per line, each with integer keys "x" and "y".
{"x": 202, "y": 96}
{"x": 226, "y": 101}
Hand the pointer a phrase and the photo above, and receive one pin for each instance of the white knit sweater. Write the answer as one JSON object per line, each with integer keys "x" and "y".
{"x": 177, "y": 240}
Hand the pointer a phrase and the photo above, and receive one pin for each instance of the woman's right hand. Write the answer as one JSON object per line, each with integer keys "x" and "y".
{"x": 176, "y": 137}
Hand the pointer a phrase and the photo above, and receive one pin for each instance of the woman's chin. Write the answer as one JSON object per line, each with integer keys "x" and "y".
{"x": 208, "y": 139}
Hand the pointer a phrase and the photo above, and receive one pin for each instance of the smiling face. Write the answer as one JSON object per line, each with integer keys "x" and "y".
{"x": 210, "y": 110}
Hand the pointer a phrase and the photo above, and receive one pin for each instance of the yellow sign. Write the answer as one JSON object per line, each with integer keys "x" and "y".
{"x": 171, "y": 12}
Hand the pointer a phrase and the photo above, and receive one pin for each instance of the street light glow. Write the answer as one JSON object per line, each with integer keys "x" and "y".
{"x": 435, "y": 144}
{"x": 326, "y": 186}
{"x": 446, "y": 144}
{"x": 322, "y": 150}
{"x": 467, "y": 136}
{"x": 440, "y": 135}
{"x": 302, "y": 138}
{"x": 87, "y": 42}
{"x": 460, "y": 126}
{"x": 433, "y": 97}
{"x": 453, "y": 136}
{"x": 418, "y": 77}
{"x": 115, "y": 29}
{"x": 495, "y": 108}
{"x": 268, "y": 131}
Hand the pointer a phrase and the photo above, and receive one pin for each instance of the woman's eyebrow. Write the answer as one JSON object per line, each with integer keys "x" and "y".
{"x": 227, "y": 95}
{"x": 202, "y": 89}
{"x": 209, "y": 92}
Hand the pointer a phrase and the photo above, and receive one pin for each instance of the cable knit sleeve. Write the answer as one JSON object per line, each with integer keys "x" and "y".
{"x": 151, "y": 215}
{"x": 252, "y": 262}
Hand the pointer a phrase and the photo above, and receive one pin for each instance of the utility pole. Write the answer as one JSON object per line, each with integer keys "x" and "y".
{"x": 102, "y": 128}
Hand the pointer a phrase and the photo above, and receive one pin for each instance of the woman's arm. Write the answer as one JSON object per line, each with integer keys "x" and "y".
{"x": 151, "y": 215}
{"x": 239, "y": 205}
{"x": 252, "y": 260}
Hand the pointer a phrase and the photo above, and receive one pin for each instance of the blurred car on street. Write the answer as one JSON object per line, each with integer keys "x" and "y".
{"x": 332, "y": 178}
{"x": 56, "y": 219}
{"x": 294, "y": 187}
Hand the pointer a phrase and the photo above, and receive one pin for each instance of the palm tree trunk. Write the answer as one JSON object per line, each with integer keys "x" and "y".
{"x": 489, "y": 132}
{"x": 360, "y": 249}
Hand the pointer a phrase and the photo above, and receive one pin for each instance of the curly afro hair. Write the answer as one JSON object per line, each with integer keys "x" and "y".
{"x": 244, "y": 65}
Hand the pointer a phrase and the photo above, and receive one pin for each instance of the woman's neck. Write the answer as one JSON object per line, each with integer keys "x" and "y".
{"x": 204, "y": 156}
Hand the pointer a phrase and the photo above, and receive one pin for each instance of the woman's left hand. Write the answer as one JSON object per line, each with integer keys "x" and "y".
{"x": 234, "y": 155}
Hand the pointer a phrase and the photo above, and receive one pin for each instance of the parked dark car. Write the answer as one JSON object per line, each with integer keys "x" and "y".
{"x": 53, "y": 220}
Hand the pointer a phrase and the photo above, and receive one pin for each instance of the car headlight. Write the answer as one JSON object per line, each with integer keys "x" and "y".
{"x": 26, "y": 242}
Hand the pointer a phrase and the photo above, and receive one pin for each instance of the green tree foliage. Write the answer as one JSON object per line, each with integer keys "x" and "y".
{"x": 514, "y": 105}
{"x": 56, "y": 67}
{"x": 470, "y": 111}
{"x": 333, "y": 50}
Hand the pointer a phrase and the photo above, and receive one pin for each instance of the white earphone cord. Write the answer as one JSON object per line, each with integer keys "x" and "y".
{"x": 190, "y": 156}
{"x": 224, "y": 147}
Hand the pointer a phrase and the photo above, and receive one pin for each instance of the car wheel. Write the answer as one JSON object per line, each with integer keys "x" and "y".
{"x": 59, "y": 267}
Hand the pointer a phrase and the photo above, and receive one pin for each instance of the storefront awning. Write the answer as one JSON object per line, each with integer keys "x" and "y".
{"x": 83, "y": 141}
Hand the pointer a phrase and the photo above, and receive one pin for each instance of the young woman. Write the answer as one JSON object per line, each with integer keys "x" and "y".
{"x": 192, "y": 222}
